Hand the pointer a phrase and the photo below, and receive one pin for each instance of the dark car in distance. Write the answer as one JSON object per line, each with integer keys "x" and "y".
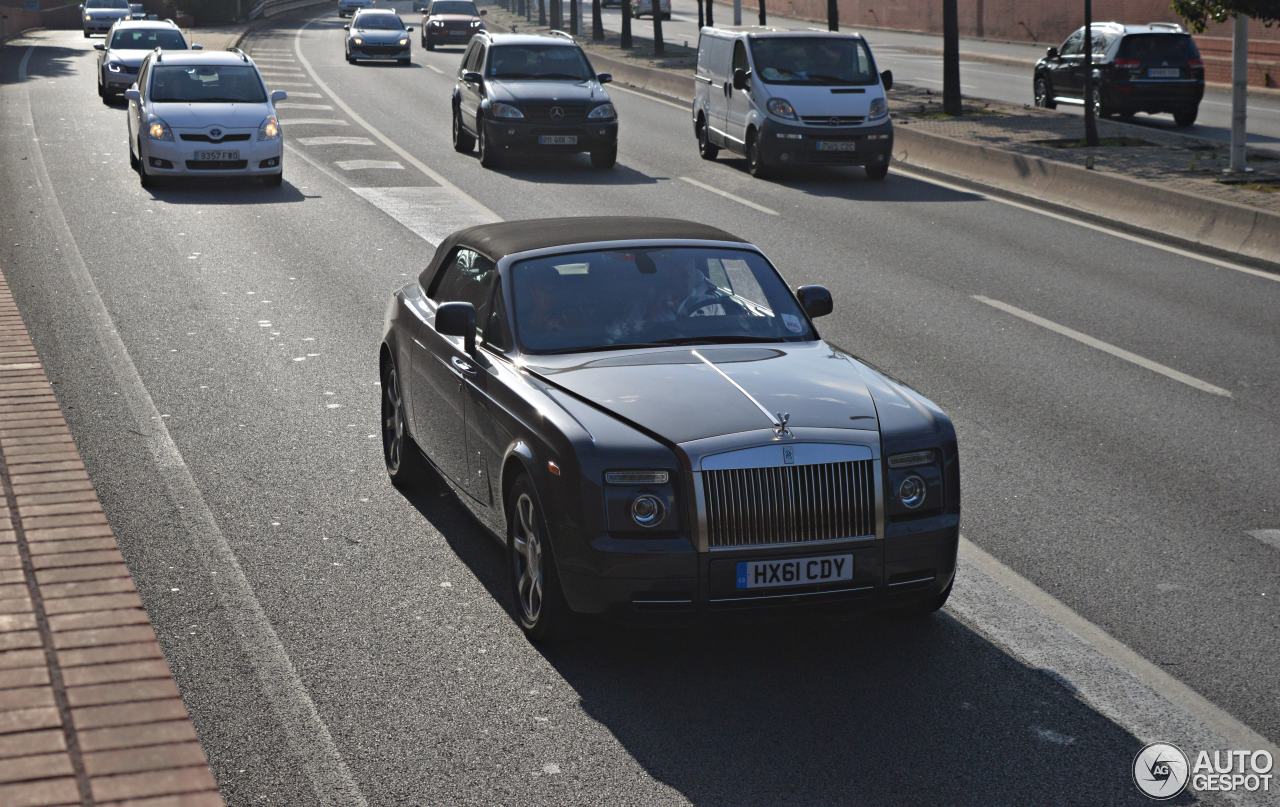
{"x": 1137, "y": 68}
{"x": 450, "y": 22}
{"x": 532, "y": 95}
{"x": 642, "y": 411}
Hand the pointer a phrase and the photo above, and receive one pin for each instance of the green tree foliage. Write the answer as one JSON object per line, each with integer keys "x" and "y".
{"x": 1199, "y": 13}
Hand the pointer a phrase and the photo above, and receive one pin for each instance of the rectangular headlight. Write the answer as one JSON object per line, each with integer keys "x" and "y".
{"x": 637, "y": 477}
{"x": 911, "y": 459}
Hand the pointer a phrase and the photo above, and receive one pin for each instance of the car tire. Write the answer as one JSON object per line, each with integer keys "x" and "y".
{"x": 274, "y": 180}
{"x": 925, "y": 608}
{"x": 706, "y": 149}
{"x": 400, "y": 453}
{"x": 1044, "y": 94}
{"x": 1186, "y": 118}
{"x": 540, "y": 608}
{"x": 134, "y": 162}
{"x": 403, "y": 62}
{"x": 877, "y": 171}
{"x": 604, "y": 158}
{"x": 144, "y": 179}
{"x": 463, "y": 141}
{"x": 755, "y": 162}
{"x": 488, "y": 158}
{"x": 666, "y": 16}
{"x": 86, "y": 34}
{"x": 428, "y": 44}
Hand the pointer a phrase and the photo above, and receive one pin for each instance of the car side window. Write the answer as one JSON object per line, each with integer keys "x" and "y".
{"x": 1074, "y": 46}
{"x": 740, "y": 56}
{"x": 468, "y": 277}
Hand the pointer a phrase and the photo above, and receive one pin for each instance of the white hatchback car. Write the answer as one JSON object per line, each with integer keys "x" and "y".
{"x": 204, "y": 114}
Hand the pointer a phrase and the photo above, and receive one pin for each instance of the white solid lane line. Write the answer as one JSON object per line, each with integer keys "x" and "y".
{"x": 436, "y": 69}
{"x": 729, "y": 196}
{"x": 649, "y": 97}
{"x": 1098, "y": 344}
{"x": 1137, "y": 239}
{"x": 317, "y": 107}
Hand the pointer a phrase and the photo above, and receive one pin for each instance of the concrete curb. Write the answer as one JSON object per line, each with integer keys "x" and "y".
{"x": 1131, "y": 204}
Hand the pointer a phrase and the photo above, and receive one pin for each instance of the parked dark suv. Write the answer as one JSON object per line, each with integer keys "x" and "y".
{"x": 1137, "y": 68}
{"x": 519, "y": 93}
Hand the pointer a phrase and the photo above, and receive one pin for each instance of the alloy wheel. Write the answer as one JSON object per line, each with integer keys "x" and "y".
{"x": 527, "y": 559}
{"x": 392, "y": 421}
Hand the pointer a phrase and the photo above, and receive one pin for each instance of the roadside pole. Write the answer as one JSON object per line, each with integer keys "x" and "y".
{"x": 737, "y": 12}
{"x": 1239, "y": 94}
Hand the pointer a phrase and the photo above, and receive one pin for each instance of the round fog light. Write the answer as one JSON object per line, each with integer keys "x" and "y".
{"x": 911, "y": 492}
{"x": 647, "y": 510}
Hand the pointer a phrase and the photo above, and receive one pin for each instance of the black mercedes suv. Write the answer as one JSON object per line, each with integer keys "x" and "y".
{"x": 1137, "y": 68}
{"x": 532, "y": 95}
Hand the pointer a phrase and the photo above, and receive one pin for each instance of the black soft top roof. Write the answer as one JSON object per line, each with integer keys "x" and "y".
{"x": 504, "y": 238}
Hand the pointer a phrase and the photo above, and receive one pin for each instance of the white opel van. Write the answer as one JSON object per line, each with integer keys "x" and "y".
{"x": 784, "y": 98}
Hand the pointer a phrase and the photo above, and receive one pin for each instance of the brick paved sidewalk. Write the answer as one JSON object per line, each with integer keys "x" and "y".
{"x": 89, "y": 713}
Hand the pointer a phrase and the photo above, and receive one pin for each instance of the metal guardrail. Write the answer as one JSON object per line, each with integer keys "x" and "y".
{"x": 270, "y": 8}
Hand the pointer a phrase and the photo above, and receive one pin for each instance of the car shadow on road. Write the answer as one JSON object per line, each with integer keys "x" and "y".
{"x": 818, "y": 710}
{"x": 575, "y": 169}
{"x": 223, "y": 191}
{"x": 851, "y": 183}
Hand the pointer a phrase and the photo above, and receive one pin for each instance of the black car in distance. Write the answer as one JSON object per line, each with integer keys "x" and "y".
{"x": 450, "y": 22}
{"x": 642, "y": 411}
{"x": 532, "y": 95}
{"x": 1137, "y": 68}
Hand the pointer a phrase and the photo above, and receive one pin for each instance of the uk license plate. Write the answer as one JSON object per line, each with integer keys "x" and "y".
{"x": 558, "y": 140}
{"x": 837, "y": 145}
{"x": 794, "y": 571}
{"x": 217, "y": 156}
{"x": 1164, "y": 72}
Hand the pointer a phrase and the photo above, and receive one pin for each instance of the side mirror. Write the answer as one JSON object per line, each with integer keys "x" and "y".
{"x": 458, "y": 319}
{"x": 197, "y": 46}
{"x": 278, "y": 95}
{"x": 740, "y": 79}
{"x": 132, "y": 95}
{"x": 1051, "y": 53}
{"x": 472, "y": 77}
{"x": 816, "y": 300}
{"x": 346, "y": 27}
{"x": 887, "y": 79}
{"x": 82, "y": 6}
{"x": 99, "y": 46}
{"x": 604, "y": 78}
{"x": 484, "y": 12}
{"x": 408, "y": 29}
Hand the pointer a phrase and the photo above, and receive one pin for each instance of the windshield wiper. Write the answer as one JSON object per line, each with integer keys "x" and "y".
{"x": 561, "y": 75}
{"x": 719, "y": 340}
{"x": 832, "y": 79}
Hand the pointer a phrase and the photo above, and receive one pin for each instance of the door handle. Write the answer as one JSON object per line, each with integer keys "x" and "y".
{"x": 462, "y": 364}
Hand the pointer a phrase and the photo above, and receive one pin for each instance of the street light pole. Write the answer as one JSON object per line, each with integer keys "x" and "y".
{"x": 1090, "y": 102}
{"x": 1239, "y": 94}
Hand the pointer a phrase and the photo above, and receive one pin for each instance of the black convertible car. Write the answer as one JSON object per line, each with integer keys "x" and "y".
{"x": 644, "y": 413}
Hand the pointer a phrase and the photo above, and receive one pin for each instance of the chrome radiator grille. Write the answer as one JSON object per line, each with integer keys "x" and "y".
{"x": 789, "y": 504}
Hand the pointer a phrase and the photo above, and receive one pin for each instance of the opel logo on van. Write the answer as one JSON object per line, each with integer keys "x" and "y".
{"x": 557, "y": 113}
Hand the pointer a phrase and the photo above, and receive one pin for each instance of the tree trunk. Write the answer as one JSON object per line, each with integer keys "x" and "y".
{"x": 701, "y": 22}
{"x": 625, "y": 44}
{"x": 542, "y": 13}
{"x": 573, "y": 16}
{"x": 1239, "y": 93}
{"x": 711, "y": 17}
{"x": 557, "y": 14}
{"x": 950, "y": 58}
{"x": 762, "y": 14}
{"x": 658, "y": 47}
{"x": 597, "y": 23}
{"x": 833, "y": 15}
{"x": 1090, "y": 106}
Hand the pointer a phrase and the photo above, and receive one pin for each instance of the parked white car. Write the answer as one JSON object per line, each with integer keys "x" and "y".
{"x": 204, "y": 114}
{"x": 783, "y": 98}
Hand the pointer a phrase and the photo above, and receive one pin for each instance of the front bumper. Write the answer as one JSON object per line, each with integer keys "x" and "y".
{"x": 118, "y": 82}
{"x": 179, "y": 158}
{"x": 524, "y": 136}
{"x": 99, "y": 26}
{"x": 389, "y": 53}
{"x": 913, "y": 565}
{"x": 448, "y": 35}
{"x": 796, "y": 144}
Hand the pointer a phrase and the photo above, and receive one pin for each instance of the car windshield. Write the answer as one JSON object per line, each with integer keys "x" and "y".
{"x": 538, "y": 62}
{"x": 379, "y": 22}
{"x": 1176, "y": 49}
{"x": 812, "y": 60}
{"x": 615, "y": 299}
{"x": 207, "y": 84}
{"x": 455, "y": 8}
{"x": 119, "y": 4}
{"x": 148, "y": 39}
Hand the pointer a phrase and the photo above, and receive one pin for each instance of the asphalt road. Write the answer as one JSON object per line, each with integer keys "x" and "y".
{"x": 358, "y": 650}
{"x": 915, "y": 58}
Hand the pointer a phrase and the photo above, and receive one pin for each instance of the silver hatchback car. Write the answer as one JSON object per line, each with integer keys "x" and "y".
{"x": 129, "y": 42}
{"x": 204, "y": 114}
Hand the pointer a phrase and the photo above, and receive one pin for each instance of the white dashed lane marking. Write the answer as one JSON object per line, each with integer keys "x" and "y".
{"x": 295, "y": 94}
{"x": 335, "y": 140}
{"x": 431, "y": 213}
{"x": 317, "y": 107}
{"x": 1270, "y": 537}
{"x": 364, "y": 165}
{"x": 317, "y": 122}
